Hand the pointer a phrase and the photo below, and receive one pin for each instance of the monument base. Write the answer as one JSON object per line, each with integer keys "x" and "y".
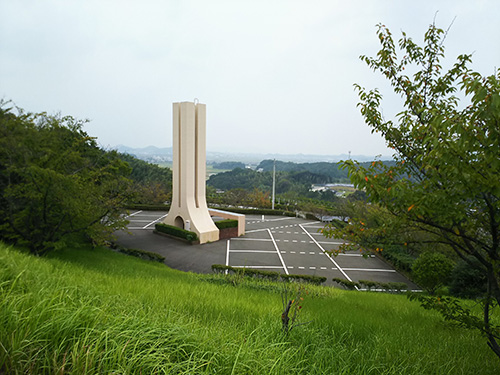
{"x": 197, "y": 221}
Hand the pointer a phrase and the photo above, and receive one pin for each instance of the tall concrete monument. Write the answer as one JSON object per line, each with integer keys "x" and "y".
{"x": 189, "y": 208}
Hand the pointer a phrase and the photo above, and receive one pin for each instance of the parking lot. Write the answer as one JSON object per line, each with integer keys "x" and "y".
{"x": 283, "y": 244}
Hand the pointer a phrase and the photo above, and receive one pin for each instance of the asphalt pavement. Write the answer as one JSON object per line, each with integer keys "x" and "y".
{"x": 283, "y": 244}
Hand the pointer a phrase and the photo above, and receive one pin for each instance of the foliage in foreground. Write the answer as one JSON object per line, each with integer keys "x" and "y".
{"x": 444, "y": 190}
{"x": 96, "y": 311}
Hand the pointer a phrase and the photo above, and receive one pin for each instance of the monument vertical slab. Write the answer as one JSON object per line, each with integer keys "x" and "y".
{"x": 189, "y": 208}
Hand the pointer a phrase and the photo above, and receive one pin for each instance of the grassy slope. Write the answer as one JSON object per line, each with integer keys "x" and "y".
{"x": 95, "y": 311}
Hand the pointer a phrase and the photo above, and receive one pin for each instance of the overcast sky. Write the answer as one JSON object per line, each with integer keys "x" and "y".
{"x": 276, "y": 76}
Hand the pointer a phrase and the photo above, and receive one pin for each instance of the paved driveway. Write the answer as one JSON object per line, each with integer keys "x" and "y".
{"x": 283, "y": 244}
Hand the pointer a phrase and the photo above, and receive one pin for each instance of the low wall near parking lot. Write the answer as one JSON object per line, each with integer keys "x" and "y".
{"x": 230, "y": 215}
{"x": 228, "y": 233}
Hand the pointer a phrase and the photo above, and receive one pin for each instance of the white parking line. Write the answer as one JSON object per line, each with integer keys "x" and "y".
{"x": 281, "y": 218}
{"x": 256, "y": 230}
{"x": 329, "y": 257}
{"x": 253, "y": 251}
{"x": 227, "y": 254}
{"x": 135, "y": 213}
{"x": 154, "y": 221}
{"x": 278, "y": 267}
{"x": 278, "y": 251}
{"x": 356, "y": 255}
{"x": 251, "y": 239}
{"x": 368, "y": 270}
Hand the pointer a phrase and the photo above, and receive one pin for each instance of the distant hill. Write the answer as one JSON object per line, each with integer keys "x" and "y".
{"x": 149, "y": 150}
{"x": 228, "y": 165}
{"x": 162, "y": 154}
{"x": 325, "y": 172}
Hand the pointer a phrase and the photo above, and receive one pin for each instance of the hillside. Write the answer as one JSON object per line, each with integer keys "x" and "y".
{"x": 95, "y": 311}
{"x": 329, "y": 172}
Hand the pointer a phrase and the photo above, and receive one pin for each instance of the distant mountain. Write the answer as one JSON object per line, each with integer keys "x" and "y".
{"x": 149, "y": 150}
{"x": 157, "y": 154}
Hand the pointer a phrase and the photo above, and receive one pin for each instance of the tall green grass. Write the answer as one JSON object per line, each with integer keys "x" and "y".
{"x": 93, "y": 311}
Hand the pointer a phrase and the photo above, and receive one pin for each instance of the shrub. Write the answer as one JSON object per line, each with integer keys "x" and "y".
{"x": 467, "y": 279}
{"x": 146, "y": 255}
{"x": 312, "y": 279}
{"x": 147, "y": 207}
{"x": 228, "y": 223}
{"x": 351, "y": 285}
{"x": 398, "y": 287}
{"x": 432, "y": 270}
{"x": 176, "y": 232}
{"x": 220, "y": 268}
{"x": 368, "y": 284}
{"x": 260, "y": 211}
{"x": 399, "y": 258}
{"x": 389, "y": 287}
{"x": 271, "y": 275}
{"x": 310, "y": 216}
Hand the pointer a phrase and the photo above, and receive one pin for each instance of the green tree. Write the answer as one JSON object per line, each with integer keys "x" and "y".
{"x": 432, "y": 270}
{"x": 152, "y": 184}
{"x": 55, "y": 183}
{"x": 445, "y": 182}
{"x": 468, "y": 279}
{"x": 259, "y": 199}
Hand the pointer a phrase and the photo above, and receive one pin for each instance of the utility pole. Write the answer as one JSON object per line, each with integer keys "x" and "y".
{"x": 274, "y": 182}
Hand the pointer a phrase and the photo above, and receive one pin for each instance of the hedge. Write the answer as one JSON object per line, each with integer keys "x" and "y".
{"x": 400, "y": 259}
{"x": 391, "y": 286}
{"x": 310, "y": 216}
{"x": 148, "y": 207}
{"x": 259, "y": 211}
{"x": 176, "y": 232}
{"x": 316, "y": 280}
{"x": 351, "y": 285}
{"x": 271, "y": 275}
{"x": 228, "y": 223}
{"x": 146, "y": 255}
